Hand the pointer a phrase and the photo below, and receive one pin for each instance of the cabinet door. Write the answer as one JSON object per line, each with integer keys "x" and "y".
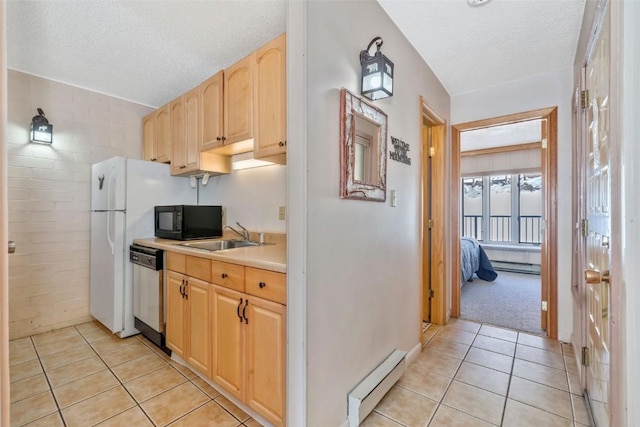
{"x": 175, "y": 313}
{"x": 265, "y": 353}
{"x": 270, "y": 102}
{"x": 191, "y": 122}
{"x": 163, "y": 136}
{"x": 228, "y": 340}
{"x": 238, "y": 105}
{"x": 178, "y": 157}
{"x": 211, "y": 118}
{"x": 199, "y": 325}
{"x": 149, "y": 137}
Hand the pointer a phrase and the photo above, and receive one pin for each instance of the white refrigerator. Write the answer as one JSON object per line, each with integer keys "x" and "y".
{"x": 123, "y": 195}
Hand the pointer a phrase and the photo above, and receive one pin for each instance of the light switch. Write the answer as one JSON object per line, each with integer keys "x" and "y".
{"x": 282, "y": 213}
{"x": 393, "y": 198}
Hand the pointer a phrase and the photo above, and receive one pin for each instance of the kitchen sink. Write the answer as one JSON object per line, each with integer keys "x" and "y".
{"x": 219, "y": 245}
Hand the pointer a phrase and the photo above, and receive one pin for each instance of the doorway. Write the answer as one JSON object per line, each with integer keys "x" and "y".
{"x": 432, "y": 194}
{"x": 547, "y": 119}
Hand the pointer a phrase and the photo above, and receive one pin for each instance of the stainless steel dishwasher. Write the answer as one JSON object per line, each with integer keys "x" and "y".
{"x": 148, "y": 293}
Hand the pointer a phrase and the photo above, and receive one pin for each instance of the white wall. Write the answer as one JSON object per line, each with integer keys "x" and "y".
{"x": 50, "y": 194}
{"x": 250, "y": 196}
{"x": 631, "y": 225}
{"x": 540, "y": 91}
{"x": 363, "y": 258}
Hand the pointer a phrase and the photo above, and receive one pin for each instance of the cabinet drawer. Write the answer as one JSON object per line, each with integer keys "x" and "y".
{"x": 228, "y": 275}
{"x": 176, "y": 262}
{"x": 267, "y": 284}
{"x": 200, "y": 268}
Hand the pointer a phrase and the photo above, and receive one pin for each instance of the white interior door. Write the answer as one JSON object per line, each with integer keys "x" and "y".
{"x": 598, "y": 241}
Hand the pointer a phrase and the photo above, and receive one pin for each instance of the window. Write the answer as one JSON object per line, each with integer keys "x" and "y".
{"x": 503, "y": 208}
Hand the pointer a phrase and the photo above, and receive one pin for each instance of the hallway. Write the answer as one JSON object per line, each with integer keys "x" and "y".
{"x": 478, "y": 375}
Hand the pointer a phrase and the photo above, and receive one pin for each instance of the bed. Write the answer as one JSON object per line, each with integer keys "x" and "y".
{"x": 475, "y": 260}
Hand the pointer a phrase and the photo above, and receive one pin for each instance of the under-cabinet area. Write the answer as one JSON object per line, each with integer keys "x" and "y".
{"x": 226, "y": 320}
{"x": 237, "y": 110}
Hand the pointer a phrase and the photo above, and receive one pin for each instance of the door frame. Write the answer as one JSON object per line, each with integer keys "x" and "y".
{"x": 549, "y": 256}
{"x": 4, "y": 231}
{"x": 436, "y": 263}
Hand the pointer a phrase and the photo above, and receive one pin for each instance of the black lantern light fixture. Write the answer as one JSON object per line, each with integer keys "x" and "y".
{"x": 377, "y": 72}
{"x": 41, "y": 130}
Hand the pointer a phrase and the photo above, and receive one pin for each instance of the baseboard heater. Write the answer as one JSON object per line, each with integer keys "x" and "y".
{"x": 372, "y": 389}
{"x": 516, "y": 267}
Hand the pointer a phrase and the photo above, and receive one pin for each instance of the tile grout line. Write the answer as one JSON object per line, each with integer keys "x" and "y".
{"x": 196, "y": 386}
{"x": 55, "y": 400}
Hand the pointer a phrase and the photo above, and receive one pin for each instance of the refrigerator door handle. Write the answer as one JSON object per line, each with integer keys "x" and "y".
{"x": 111, "y": 190}
{"x": 110, "y": 240}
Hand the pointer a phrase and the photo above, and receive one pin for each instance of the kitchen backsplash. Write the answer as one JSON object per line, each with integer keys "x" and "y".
{"x": 250, "y": 196}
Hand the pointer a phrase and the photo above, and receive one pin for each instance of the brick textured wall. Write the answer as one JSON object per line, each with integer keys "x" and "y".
{"x": 50, "y": 194}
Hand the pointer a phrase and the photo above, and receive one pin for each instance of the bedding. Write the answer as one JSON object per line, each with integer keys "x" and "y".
{"x": 475, "y": 260}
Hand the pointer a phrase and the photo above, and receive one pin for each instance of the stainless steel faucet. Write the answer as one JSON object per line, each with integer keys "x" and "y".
{"x": 244, "y": 234}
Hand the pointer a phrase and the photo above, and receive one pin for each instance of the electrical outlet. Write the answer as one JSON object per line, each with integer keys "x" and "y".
{"x": 282, "y": 213}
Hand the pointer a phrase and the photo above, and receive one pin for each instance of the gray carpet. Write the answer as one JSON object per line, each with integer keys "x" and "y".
{"x": 511, "y": 301}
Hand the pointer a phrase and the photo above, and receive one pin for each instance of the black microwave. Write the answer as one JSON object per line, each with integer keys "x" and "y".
{"x": 187, "y": 222}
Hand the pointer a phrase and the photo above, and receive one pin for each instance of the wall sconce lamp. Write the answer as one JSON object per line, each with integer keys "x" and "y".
{"x": 41, "y": 130}
{"x": 377, "y": 73}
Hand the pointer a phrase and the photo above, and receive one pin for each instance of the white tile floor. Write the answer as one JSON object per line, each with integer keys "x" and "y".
{"x": 470, "y": 374}
{"x": 467, "y": 375}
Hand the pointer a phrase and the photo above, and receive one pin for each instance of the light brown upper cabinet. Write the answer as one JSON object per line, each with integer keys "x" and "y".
{"x": 226, "y": 107}
{"x": 211, "y": 105}
{"x": 155, "y": 135}
{"x": 238, "y": 106}
{"x": 186, "y": 141}
{"x": 270, "y": 101}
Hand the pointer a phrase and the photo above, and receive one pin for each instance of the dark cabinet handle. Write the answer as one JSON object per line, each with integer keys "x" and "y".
{"x": 218, "y": 138}
{"x": 224, "y": 138}
{"x": 182, "y": 167}
{"x": 182, "y": 289}
{"x": 224, "y": 275}
{"x": 280, "y": 144}
{"x": 246, "y": 303}
{"x": 262, "y": 285}
{"x": 154, "y": 159}
{"x": 238, "y": 310}
{"x": 186, "y": 295}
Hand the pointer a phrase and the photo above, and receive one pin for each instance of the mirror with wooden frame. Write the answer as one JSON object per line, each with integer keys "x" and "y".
{"x": 363, "y": 149}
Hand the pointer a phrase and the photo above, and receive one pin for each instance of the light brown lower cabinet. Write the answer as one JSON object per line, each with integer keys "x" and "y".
{"x": 188, "y": 320}
{"x": 235, "y": 338}
{"x": 249, "y": 350}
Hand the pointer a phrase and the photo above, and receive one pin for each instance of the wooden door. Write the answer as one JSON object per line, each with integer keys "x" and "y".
{"x": 163, "y": 136}
{"x": 175, "y": 313}
{"x": 199, "y": 325}
{"x": 598, "y": 239}
{"x": 211, "y": 117}
{"x": 265, "y": 353}
{"x": 227, "y": 367}
{"x": 270, "y": 99}
{"x": 178, "y": 148}
{"x": 426, "y": 228}
{"x": 149, "y": 137}
{"x": 191, "y": 134}
{"x": 238, "y": 101}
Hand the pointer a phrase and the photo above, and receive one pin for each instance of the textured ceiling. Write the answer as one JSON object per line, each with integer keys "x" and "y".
{"x": 146, "y": 51}
{"x": 470, "y": 48}
{"x": 152, "y": 51}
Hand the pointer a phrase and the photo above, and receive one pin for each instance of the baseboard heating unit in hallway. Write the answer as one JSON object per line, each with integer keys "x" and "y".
{"x": 372, "y": 389}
